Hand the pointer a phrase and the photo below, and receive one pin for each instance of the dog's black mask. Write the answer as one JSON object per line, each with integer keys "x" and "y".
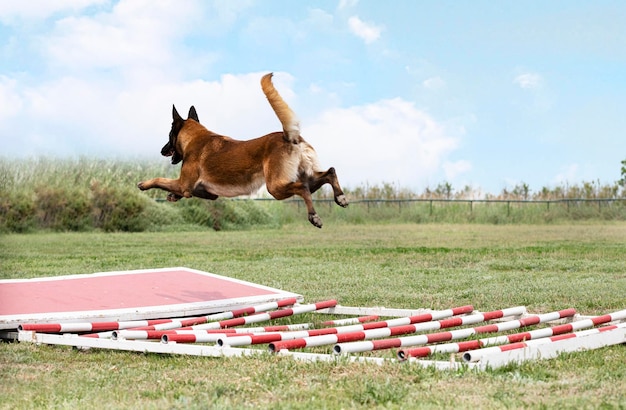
{"x": 170, "y": 149}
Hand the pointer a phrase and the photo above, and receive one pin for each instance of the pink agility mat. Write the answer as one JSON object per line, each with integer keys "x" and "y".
{"x": 127, "y": 295}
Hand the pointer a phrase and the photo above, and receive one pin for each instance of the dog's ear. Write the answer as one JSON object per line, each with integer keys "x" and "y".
{"x": 175, "y": 115}
{"x": 193, "y": 114}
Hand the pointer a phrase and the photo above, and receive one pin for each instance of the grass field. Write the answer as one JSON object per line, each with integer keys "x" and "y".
{"x": 544, "y": 267}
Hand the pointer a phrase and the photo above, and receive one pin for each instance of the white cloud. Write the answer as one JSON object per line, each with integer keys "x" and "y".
{"x": 10, "y": 100}
{"x": 386, "y": 141}
{"x": 345, "y": 4}
{"x": 434, "y": 83}
{"x": 134, "y": 33}
{"x": 13, "y": 12}
{"x": 528, "y": 80}
{"x": 454, "y": 169}
{"x": 366, "y": 31}
{"x": 319, "y": 18}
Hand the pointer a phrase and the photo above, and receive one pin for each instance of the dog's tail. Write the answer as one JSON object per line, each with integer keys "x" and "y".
{"x": 291, "y": 125}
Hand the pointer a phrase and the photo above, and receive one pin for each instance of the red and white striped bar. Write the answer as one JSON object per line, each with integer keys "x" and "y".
{"x": 105, "y": 329}
{"x": 367, "y": 346}
{"x": 213, "y": 335}
{"x": 239, "y": 321}
{"x": 244, "y": 340}
{"x": 489, "y": 351}
{"x": 248, "y": 336}
{"x": 80, "y": 327}
{"x": 216, "y": 333}
{"x": 540, "y": 334}
{"x": 196, "y": 336}
{"x": 178, "y": 323}
{"x": 358, "y": 332}
{"x": 404, "y": 354}
{"x": 131, "y": 334}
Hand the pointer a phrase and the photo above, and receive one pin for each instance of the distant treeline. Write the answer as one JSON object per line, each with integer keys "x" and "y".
{"x": 87, "y": 194}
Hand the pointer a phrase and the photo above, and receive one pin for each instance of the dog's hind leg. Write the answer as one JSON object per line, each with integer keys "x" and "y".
{"x": 329, "y": 177}
{"x": 281, "y": 192}
{"x": 171, "y": 197}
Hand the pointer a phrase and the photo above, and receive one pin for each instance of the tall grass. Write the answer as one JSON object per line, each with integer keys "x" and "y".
{"x": 88, "y": 193}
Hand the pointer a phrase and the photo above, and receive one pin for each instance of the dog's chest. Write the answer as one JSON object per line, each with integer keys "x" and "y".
{"x": 244, "y": 187}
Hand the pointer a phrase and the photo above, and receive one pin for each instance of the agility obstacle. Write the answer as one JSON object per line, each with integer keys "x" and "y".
{"x": 183, "y": 318}
{"x": 225, "y": 337}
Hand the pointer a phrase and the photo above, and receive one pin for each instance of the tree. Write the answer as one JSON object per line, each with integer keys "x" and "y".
{"x": 622, "y": 181}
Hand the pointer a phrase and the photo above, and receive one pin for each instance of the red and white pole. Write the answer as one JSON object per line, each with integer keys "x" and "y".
{"x": 105, "y": 329}
{"x": 475, "y": 344}
{"x": 520, "y": 345}
{"x": 366, "y": 346}
{"x": 131, "y": 334}
{"x": 239, "y": 321}
{"x": 178, "y": 323}
{"x": 385, "y": 328}
{"x": 540, "y": 334}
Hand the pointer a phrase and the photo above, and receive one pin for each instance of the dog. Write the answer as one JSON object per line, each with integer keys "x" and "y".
{"x": 215, "y": 165}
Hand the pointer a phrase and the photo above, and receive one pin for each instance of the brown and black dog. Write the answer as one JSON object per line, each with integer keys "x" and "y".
{"x": 215, "y": 165}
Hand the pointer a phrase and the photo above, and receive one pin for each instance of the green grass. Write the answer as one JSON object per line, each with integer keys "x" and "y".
{"x": 544, "y": 267}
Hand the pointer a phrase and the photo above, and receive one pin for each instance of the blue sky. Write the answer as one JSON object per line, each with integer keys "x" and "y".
{"x": 414, "y": 93}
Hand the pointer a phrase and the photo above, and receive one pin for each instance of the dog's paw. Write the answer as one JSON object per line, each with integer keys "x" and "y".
{"x": 173, "y": 197}
{"x": 141, "y": 186}
{"x": 315, "y": 220}
{"x": 341, "y": 200}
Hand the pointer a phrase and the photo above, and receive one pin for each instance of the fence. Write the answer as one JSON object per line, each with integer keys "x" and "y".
{"x": 576, "y": 208}
{"x": 404, "y": 203}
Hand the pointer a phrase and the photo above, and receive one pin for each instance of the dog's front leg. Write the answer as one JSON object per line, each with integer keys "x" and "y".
{"x": 173, "y": 186}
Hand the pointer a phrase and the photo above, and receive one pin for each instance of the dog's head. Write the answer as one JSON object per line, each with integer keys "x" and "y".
{"x": 170, "y": 149}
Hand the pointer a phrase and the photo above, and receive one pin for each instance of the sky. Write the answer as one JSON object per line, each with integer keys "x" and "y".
{"x": 480, "y": 94}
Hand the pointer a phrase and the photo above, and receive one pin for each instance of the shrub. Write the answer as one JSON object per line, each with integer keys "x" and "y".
{"x": 17, "y": 212}
{"x": 118, "y": 209}
{"x": 63, "y": 208}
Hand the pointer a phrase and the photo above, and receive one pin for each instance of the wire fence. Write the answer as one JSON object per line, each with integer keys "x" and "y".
{"x": 567, "y": 203}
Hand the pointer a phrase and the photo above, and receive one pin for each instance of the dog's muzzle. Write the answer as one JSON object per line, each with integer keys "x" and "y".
{"x": 167, "y": 150}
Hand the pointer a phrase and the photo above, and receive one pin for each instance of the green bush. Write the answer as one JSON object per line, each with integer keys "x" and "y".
{"x": 63, "y": 208}
{"x": 119, "y": 209}
{"x": 17, "y": 212}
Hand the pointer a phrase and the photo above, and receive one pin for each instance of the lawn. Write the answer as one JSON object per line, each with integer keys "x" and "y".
{"x": 544, "y": 267}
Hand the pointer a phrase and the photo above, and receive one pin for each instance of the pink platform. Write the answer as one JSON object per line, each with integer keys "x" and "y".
{"x": 127, "y": 295}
